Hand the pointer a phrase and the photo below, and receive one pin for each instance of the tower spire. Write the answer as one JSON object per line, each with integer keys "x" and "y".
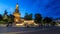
{"x": 17, "y": 8}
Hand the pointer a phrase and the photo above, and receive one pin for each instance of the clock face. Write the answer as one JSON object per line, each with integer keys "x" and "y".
{"x": 16, "y": 6}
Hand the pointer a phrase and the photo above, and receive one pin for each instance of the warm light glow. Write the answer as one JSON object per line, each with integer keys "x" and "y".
{"x": 16, "y": 15}
{"x": 29, "y": 21}
{"x": 19, "y": 24}
{"x": 16, "y": 20}
{"x": 58, "y": 25}
{"x": 17, "y": 6}
{"x": 35, "y": 24}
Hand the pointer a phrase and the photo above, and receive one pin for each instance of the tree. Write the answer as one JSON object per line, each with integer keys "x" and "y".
{"x": 30, "y": 17}
{"x": 26, "y": 16}
{"x": 38, "y": 18}
{"x": 0, "y": 17}
{"x": 5, "y": 17}
{"x": 11, "y": 18}
{"x": 53, "y": 23}
{"x": 47, "y": 20}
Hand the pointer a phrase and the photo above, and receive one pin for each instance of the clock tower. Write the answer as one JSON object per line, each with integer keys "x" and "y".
{"x": 17, "y": 14}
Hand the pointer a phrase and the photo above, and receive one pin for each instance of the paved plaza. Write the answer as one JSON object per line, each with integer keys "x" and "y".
{"x": 32, "y": 30}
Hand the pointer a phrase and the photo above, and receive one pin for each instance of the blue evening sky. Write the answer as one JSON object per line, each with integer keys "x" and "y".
{"x": 50, "y": 8}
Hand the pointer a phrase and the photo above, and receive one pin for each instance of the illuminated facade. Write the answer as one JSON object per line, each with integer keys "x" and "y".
{"x": 16, "y": 14}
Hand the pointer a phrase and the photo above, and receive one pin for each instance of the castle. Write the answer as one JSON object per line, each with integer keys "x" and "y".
{"x": 19, "y": 21}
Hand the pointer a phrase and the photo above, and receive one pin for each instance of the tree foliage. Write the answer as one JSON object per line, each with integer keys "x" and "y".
{"x": 38, "y": 18}
{"x": 5, "y": 17}
{"x": 0, "y": 17}
{"x": 11, "y": 17}
{"x": 53, "y": 23}
{"x": 47, "y": 20}
{"x": 28, "y": 16}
